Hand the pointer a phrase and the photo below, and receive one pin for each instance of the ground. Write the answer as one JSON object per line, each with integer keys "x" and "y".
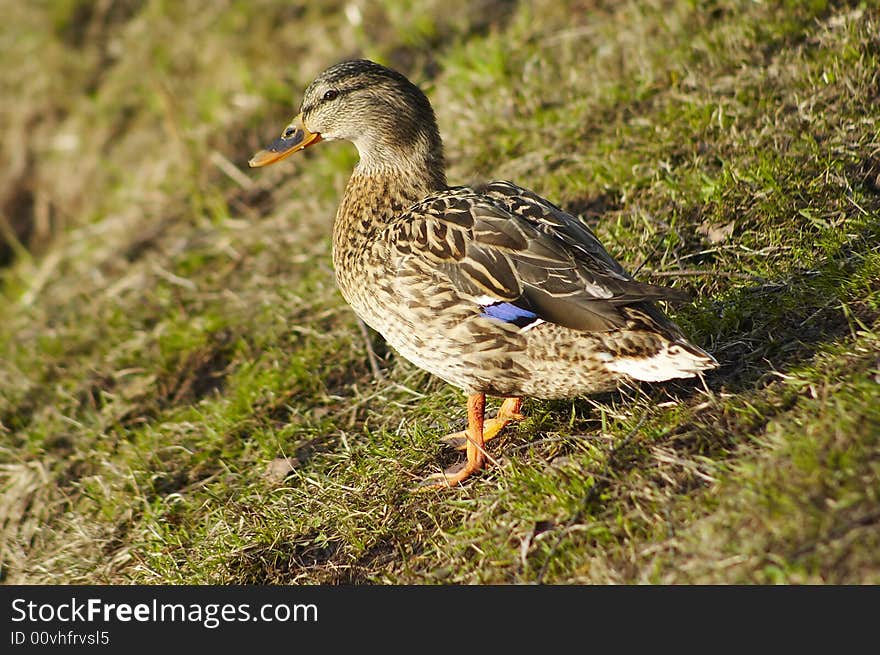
{"x": 185, "y": 397}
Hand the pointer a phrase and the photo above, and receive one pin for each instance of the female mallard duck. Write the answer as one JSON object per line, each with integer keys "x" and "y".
{"x": 491, "y": 288}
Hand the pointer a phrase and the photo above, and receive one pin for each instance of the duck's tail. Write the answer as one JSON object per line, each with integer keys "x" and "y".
{"x": 676, "y": 359}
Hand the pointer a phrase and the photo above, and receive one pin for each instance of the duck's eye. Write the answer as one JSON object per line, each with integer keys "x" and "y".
{"x": 331, "y": 94}
{"x": 288, "y": 131}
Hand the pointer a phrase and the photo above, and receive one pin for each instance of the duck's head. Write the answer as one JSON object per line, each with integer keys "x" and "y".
{"x": 385, "y": 115}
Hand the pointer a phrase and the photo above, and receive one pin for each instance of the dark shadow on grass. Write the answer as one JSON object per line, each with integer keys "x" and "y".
{"x": 778, "y": 325}
{"x": 281, "y": 562}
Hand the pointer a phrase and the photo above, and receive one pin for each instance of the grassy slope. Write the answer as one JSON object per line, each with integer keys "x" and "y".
{"x": 171, "y": 331}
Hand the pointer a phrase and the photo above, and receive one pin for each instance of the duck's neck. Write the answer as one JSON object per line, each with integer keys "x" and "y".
{"x": 381, "y": 188}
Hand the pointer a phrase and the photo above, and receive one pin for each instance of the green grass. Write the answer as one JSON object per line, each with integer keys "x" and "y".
{"x": 185, "y": 398}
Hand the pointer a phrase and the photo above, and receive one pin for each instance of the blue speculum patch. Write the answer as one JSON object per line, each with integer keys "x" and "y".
{"x": 510, "y": 313}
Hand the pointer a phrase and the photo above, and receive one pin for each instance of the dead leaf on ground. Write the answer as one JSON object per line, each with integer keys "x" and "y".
{"x": 280, "y": 468}
{"x": 716, "y": 232}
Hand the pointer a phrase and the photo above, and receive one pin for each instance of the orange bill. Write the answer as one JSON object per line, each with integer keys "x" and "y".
{"x": 295, "y": 137}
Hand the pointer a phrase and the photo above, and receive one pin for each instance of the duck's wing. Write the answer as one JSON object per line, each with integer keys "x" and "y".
{"x": 520, "y": 258}
{"x": 554, "y": 222}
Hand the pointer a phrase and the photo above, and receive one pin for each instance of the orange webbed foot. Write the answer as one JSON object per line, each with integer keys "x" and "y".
{"x": 474, "y": 442}
{"x": 450, "y": 477}
{"x": 509, "y": 411}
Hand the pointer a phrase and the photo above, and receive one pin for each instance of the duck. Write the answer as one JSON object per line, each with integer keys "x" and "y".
{"x": 490, "y": 287}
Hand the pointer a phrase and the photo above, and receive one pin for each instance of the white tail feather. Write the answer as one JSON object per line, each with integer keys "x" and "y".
{"x": 674, "y": 361}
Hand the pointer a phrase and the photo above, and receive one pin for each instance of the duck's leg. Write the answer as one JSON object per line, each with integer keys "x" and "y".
{"x": 509, "y": 411}
{"x": 476, "y": 455}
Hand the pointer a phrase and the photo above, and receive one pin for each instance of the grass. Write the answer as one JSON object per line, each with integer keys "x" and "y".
{"x": 185, "y": 398}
